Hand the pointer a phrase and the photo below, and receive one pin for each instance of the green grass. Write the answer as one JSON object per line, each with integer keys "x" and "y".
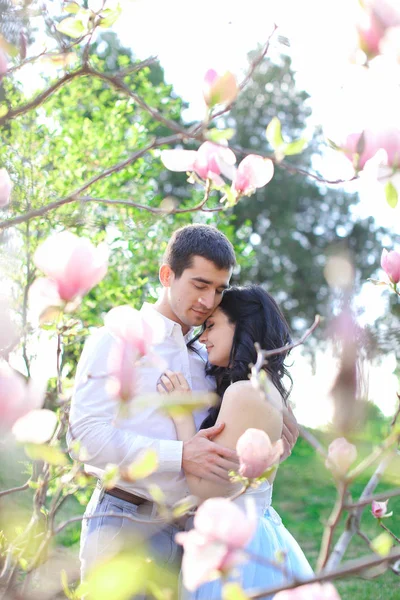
{"x": 304, "y": 495}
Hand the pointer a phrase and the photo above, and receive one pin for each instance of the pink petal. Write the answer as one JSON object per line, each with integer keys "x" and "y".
{"x": 178, "y": 160}
{"x": 254, "y": 172}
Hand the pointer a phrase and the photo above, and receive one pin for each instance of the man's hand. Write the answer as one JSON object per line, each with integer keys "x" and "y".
{"x": 203, "y": 458}
{"x": 290, "y": 433}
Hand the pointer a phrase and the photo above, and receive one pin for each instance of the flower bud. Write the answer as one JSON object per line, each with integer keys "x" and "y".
{"x": 379, "y": 509}
{"x": 390, "y": 263}
{"x": 219, "y": 89}
{"x": 341, "y": 455}
{"x": 256, "y": 452}
{"x": 73, "y": 263}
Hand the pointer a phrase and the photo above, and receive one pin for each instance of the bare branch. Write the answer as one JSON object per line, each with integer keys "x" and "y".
{"x": 19, "y": 488}
{"x": 352, "y": 566}
{"x": 377, "y": 497}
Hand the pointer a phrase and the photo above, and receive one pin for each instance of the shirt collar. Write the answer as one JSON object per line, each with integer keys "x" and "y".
{"x": 170, "y": 326}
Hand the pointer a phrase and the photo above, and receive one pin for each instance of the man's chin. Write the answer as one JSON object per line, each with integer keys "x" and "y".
{"x": 197, "y": 317}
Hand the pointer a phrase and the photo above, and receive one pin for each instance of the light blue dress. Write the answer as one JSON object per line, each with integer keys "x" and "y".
{"x": 270, "y": 539}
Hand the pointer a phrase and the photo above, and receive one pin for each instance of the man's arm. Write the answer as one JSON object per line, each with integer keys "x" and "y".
{"x": 94, "y": 410}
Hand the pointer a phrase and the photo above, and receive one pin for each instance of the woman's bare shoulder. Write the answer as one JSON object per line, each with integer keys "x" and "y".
{"x": 245, "y": 391}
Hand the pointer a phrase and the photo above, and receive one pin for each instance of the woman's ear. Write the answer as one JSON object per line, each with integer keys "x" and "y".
{"x": 165, "y": 275}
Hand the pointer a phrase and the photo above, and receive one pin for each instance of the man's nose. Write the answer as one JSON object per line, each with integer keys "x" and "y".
{"x": 208, "y": 299}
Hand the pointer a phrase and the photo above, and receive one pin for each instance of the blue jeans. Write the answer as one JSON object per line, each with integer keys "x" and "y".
{"x": 104, "y": 537}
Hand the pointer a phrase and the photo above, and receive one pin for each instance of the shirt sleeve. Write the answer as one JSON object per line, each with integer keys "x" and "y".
{"x": 94, "y": 411}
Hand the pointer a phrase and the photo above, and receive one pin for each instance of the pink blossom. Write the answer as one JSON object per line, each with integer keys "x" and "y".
{"x": 35, "y": 427}
{"x": 135, "y": 337}
{"x": 370, "y": 33}
{"x": 73, "y": 263}
{"x": 220, "y": 520}
{"x": 390, "y": 263}
{"x": 341, "y": 455}
{"x": 379, "y": 509}
{"x": 6, "y": 186}
{"x": 209, "y": 161}
{"x": 311, "y": 591}
{"x": 16, "y": 397}
{"x": 215, "y": 545}
{"x": 219, "y": 89}
{"x": 3, "y": 64}
{"x": 135, "y": 328}
{"x": 122, "y": 363}
{"x": 256, "y": 452}
{"x": 253, "y": 172}
{"x": 361, "y": 147}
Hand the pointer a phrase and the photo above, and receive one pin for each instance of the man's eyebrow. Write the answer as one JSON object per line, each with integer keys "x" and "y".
{"x": 225, "y": 286}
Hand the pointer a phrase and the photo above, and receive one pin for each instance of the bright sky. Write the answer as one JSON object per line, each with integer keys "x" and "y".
{"x": 191, "y": 36}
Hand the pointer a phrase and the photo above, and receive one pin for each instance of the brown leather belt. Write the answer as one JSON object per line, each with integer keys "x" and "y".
{"x": 127, "y": 496}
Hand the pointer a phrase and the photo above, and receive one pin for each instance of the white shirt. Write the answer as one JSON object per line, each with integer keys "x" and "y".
{"x": 108, "y": 439}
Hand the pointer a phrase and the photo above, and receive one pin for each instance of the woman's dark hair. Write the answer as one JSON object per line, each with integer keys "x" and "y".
{"x": 257, "y": 318}
{"x": 198, "y": 240}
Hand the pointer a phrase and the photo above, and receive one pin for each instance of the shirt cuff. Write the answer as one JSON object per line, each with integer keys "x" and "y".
{"x": 170, "y": 456}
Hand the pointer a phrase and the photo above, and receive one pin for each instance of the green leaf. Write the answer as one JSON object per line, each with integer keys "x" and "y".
{"x": 218, "y": 135}
{"x": 392, "y": 196}
{"x": 111, "y": 476}
{"x": 295, "y": 147}
{"x": 49, "y": 454}
{"x": 3, "y": 110}
{"x": 274, "y": 133}
{"x": 72, "y": 27}
{"x": 183, "y": 506}
{"x": 72, "y": 8}
{"x": 233, "y": 591}
{"x": 179, "y": 404}
{"x": 157, "y": 494}
{"x": 109, "y": 16}
{"x": 146, "y": 463}
{"x": 382, "y": 544}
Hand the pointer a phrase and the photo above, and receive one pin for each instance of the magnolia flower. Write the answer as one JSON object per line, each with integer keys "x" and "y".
{"x": 376, "y": 18}
{"x": 36, "y": 427}
{"x": 311, "y": 591}
{"x": 215, "y": 545}
{"x": 379, "y": 509}
{"x": 73, "y": 263}
{"x": 135, "y": 328}
{"x": 370, "y": 32}
{"x": 253, "y": 172}
{"x": 341, "y": 455}
{"x": 3, "y": 64}
{"x": 362, "y": 146}
{"x": 390, "y": 263}
{"x": 209, "y": 161}
{"x": 219, "y": 89}
{"x": 16, "y": 397}
{"x": 256, "y": 452}
{"x": 6, "y": 185}
{"x": 135, "y": 337}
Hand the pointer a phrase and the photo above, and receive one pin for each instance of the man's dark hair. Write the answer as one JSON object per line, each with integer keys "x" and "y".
{"x": 198, "y": 240}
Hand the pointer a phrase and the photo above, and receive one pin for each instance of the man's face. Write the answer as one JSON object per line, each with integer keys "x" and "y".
{"x": 197, "y": 292}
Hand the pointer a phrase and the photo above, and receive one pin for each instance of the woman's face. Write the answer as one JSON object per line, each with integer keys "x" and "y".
{"x": 218, "y": 338}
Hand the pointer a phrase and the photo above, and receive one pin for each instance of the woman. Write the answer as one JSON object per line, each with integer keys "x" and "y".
{"x": 245, "y": 316}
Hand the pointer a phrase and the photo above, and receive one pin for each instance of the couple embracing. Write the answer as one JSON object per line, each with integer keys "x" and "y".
{"x": 195, "y": 453}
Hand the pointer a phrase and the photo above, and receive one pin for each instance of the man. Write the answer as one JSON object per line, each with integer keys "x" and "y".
{"x": 196, "y": 270}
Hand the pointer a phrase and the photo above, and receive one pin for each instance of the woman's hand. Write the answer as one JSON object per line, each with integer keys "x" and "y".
{"x": 171, "y": 381}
